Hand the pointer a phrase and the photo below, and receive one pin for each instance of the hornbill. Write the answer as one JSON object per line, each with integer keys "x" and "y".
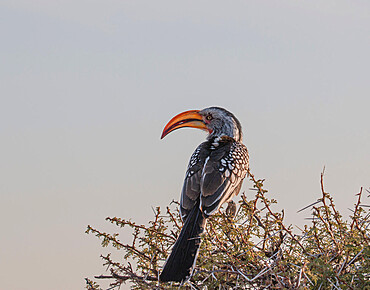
{"x": 214, "y": 175}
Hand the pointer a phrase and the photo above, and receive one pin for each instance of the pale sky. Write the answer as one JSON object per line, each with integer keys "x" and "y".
{"x": 87, "y": 87}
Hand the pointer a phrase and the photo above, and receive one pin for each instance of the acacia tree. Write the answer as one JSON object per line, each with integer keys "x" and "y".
{"x": 250, "y": 249}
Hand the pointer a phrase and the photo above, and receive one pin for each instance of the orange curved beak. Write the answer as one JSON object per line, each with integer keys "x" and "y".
{"x": 185, "y": 119}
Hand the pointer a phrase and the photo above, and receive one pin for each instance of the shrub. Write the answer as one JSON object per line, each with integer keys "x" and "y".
{"x": 252, "y": 249}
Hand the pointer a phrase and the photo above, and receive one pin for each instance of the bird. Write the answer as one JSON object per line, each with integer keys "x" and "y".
{"x": 214, "y": 175}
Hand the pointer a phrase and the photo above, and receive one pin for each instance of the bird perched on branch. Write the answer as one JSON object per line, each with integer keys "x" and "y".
{"x": 215, "y": 174}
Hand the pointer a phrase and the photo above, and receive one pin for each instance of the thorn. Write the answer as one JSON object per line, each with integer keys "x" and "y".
{"x": 312, "y": 204}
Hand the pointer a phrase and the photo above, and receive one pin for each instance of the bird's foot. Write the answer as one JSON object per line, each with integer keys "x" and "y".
{"x": 231, "y": 209}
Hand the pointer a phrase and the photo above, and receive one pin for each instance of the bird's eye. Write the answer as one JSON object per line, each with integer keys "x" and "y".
{"x": 209, "y": 117}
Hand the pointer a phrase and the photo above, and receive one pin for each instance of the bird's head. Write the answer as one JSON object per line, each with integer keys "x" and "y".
{"x": 216, "y": 121}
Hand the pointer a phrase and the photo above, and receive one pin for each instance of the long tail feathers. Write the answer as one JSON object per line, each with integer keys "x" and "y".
{"x": 180, "y": 263}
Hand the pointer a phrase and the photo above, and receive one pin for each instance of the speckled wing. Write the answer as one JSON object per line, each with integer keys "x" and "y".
{"x": 223, "y": 173}
{"x": 215, "y": 174}
{"x": 191, "y": 188}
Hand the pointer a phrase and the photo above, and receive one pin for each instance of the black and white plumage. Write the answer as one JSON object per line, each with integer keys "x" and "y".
{"x": 214, "y": 175}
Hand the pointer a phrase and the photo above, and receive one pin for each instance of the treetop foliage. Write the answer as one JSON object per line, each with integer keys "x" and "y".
{"x": 251, "y": 248}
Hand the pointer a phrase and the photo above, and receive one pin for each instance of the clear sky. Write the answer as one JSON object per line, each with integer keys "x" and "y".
{"x": 86, "y": 88}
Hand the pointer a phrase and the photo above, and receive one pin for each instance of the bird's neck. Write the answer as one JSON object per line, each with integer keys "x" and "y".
{"x": 231, "y": 132}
